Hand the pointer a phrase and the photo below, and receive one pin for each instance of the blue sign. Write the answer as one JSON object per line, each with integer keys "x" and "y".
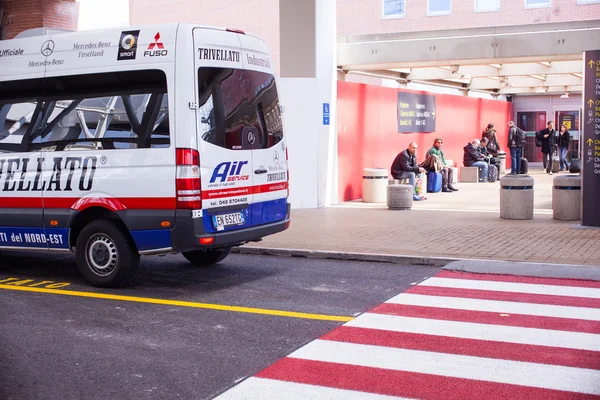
{"x": 326, "y": 114}
{"x": 53, "y": 238}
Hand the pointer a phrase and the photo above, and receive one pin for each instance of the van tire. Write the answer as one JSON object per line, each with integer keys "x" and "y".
{"x": 206, "y": 258}
{"x": 115, "y": 260}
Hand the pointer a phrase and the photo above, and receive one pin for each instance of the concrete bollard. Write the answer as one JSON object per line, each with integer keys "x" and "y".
{"x": 374, "y": 183}
{"x": 400, "y": 197}
{"x": 516, "y": 197}
{"x": 566, "y": 197}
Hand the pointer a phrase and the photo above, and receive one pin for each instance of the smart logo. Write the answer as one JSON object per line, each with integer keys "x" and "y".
{"x": 128, "y": 45}
{"x": 229, "y": 172}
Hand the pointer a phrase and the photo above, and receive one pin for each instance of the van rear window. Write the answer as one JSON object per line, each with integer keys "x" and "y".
{"x": 235, "y": 103}
{"x": 105, "y": 111}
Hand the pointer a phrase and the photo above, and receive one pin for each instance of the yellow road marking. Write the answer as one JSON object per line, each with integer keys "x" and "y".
{"x": 178, "y": 303}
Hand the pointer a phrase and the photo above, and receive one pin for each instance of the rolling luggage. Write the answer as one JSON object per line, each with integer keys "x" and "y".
{"x": 524, "y": 166}
{"x": 575, "y": 167}
{"x": 492, "y": 173}
{"x": 434, "y": 182}
{"x": 555, "y": 163}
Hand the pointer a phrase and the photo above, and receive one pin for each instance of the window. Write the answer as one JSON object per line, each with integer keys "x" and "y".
{"x": 439, "y": 7}
{"x": 236, "y": 105}
{"x": 487, "y": 5}
{"x": 120, "y": 110}
{"x": 587, "y": 1}
{"x": 393, "y": 8}
{"x": 537, "y": 3}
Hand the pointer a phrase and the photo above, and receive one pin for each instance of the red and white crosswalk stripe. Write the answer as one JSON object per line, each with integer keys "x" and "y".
{"x": 454, "y": 336}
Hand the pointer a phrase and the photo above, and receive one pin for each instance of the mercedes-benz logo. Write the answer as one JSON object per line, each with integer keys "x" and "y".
{"x": 48, "y": 48}
{"x": 276, "y": 157}
{"x": 251, "y": 137}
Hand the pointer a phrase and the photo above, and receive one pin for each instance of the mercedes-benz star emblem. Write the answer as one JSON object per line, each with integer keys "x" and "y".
{"x": 48, "y": 48}
{"x": 276, "y": 157}
{"x": 251, "y": 137}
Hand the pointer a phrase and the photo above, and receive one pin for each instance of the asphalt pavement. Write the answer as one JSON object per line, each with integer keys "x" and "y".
{"x": 179, "y": 331}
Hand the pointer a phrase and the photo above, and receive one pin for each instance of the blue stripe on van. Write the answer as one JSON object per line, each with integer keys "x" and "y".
{"x": 53, "y": 238}
{"x": 257, "y": 214}
{"x": 152, "y": 239}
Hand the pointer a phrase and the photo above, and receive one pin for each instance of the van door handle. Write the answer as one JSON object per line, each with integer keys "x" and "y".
{"x": 260, "y": 171}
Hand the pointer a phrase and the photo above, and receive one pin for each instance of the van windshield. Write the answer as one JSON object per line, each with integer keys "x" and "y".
{"x": 234, "y": 102}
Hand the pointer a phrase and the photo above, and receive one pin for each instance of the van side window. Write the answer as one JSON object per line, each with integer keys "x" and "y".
{"x": 239, "y": 109}
{"x": 117, "y": 110}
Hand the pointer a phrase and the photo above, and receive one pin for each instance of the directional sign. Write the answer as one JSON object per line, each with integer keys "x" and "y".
{"x": 416, "y": 112}
{"x": 590, "y": 172}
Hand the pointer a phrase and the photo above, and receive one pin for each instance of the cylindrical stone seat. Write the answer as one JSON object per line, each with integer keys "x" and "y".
{"x": 374, "y": 182}
{"x": 566, "y": 197}
{"x": 400, "y": 197}
{"x": 516, "y": 197}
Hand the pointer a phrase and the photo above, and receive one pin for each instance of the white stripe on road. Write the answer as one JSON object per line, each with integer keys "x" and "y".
{"x": 530, "y": 288}
{"x": 467, "y": 367}
{"x": 260, "y": 388}
{"x": 470, "y": 330}
{"x": 458, "y": 303}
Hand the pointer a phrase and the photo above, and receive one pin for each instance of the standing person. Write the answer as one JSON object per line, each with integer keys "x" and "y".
{"x": 516, "y": 141}
{"x": 547, "y": 137}
{"x": 447, "y": 172}
{"x": 405, "y": 167}
{"x": 563, "y": 141}
{"x": 474, "y": 158}
{"x": 493, "y": 146}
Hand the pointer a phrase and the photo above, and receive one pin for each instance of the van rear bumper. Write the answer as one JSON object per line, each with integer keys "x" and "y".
{"x": 186, "y": 234}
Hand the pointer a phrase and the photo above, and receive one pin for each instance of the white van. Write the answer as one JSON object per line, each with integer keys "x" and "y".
{"x": 146, "y": 140}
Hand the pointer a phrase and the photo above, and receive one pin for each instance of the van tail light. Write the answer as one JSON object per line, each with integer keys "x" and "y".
{"x": 287, "y": 163}
{"x": 189, "y": 194}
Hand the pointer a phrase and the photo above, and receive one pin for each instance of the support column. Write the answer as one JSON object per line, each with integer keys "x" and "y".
{"x": 308, "y": 89}
{"x": 21, "y": 15}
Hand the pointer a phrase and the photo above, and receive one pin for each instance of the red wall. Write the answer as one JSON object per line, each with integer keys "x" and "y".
{"x": 368, "y": 134}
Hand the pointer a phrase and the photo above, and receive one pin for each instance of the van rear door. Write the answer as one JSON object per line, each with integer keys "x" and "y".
{"x": 225, "y": 136}
{"x": 269, "y": 154}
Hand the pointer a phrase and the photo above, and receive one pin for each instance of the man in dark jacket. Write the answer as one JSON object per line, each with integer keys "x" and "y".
{"x": 405, "y": 165}
{"x": 547, "y": 136}
{"x": 474, "y": 158}
{"x": 516, "y": 142}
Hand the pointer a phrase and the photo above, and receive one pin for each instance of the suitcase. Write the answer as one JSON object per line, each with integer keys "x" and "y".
{"x": 555, "y": 163}
{"x": 492, "y": 173}
{"x": 524, "y": 166}
{"x": 434, "y": 182}
{"x": 575, "y": 167}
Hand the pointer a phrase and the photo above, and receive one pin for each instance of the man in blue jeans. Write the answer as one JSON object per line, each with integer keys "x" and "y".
{"x": 474, "y": 158}
{"x": 516, "y": 141}
{"x": 405, "y": 167}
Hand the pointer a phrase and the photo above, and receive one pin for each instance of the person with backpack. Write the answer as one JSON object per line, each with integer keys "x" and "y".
{"x": 516, "y": 141}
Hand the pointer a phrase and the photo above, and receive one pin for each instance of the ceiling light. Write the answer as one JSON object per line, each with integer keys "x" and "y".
{"x": 565, "y": 96}
{"x": 541, "y": 89}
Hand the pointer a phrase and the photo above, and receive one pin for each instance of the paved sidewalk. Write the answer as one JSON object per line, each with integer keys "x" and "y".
{"x": 461, "y": 225}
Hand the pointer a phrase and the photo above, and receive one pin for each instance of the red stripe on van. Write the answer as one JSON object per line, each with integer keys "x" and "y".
{"x": 233, "y": 192}
{"x": 115, "y": 204}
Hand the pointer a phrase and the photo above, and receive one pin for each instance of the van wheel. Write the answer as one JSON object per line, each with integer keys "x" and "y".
{"x": 105, "y": 255}
{"x": 206, "y": 258}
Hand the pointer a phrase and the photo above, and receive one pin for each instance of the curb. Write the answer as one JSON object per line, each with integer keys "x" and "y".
{"x": 346, "y": 256}
{"x": 481, "y": 266}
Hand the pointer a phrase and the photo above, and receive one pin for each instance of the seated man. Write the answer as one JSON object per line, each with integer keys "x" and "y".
{"x": 405, "y": 167}
{"x": 447, "y": 173}
{"x": 474, "y": 158}
{"x": 484, "y": 150}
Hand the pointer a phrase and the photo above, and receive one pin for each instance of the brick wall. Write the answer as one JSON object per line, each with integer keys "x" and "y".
{"x": 20, "y": 15}
{"x": 257, "y": 17}
{"x": 361, "y": 17}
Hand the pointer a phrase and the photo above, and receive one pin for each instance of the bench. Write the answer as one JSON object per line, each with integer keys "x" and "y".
{"x": 469, "y": 174}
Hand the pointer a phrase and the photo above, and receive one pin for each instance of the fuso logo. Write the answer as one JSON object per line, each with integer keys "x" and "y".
{"x": 229, "y": 171}
{"x": 160, "y": 48}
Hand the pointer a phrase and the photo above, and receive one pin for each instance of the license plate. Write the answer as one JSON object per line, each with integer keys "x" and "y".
{"x": 224, "y": 220}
